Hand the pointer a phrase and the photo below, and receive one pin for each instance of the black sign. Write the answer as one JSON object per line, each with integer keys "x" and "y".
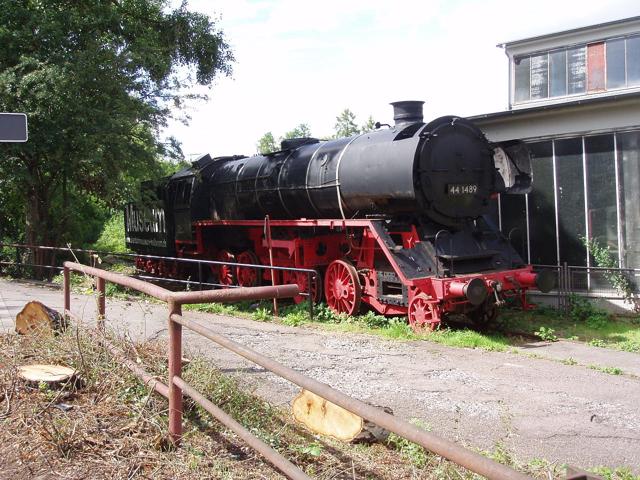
{"x": 13, "y": 127}
{"x": 462, "y": 188}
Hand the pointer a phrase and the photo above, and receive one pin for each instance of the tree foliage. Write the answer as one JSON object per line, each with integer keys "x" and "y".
{"x": 369, "y": 125}
{"x": 267, "y": 144}
{"x": 301, "y": 131}
{"x": 97, "y": 81}
{"x": 346, "y": 125}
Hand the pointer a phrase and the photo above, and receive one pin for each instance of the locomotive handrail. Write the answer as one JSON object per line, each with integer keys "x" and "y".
{"x": 511, "y": 232}
{"x": 176, "y": 387}
{"x": 435, "y": 247}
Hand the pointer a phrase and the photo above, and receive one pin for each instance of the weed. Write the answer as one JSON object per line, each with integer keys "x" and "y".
{"x": 547, "y": 334}
{"x": 398, "y": 328}
{"x": 262, "y": 315}
{"x": 621, "y": 282}
{"x": 609, "y": 370}
{"x": 413, "y": 452}
{"x": 373, "y": 320}
{"x": 217, "y": 308}
{"x": 295, "y": 319}
{"x": 469, "y": 339}
{"x": 312, "y": 450}
{"x": 619, "y": 473}
{"x": 569, "y": 361}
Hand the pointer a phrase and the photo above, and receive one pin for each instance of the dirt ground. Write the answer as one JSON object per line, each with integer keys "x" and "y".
{"x": 526, "y": 400}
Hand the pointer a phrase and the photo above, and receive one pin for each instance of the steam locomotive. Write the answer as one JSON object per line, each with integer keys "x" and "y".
{"x": 395, "y": 219}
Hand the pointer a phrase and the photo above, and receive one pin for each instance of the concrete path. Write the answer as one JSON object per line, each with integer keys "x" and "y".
{"x": 536, "y": 406}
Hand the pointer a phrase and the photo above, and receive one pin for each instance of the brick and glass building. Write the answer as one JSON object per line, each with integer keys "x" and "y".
{"x": 574, "y": 97}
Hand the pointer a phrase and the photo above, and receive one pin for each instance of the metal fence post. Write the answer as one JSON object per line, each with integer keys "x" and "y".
{"x": 100, "y": 284}
{"x": 175, "y": 368}
{"x": 310, "y": 278}
{"x": 66, "y": 285}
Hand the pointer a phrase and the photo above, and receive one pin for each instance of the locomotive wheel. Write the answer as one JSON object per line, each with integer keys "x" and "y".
{"x": 247, "y": 276}
{"x": 226, "y": 273}
{"x": 485, "y": 314}
{"x": 342, "y": 289}
{"x": 422, "y": 314}
{"x": 302, "y": 279}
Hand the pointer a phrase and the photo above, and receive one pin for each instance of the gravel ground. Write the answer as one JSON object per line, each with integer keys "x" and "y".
{"x": 536, "y": 406}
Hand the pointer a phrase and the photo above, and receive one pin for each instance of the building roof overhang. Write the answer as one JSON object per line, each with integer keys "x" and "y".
{"x": 568, "y": 38}
{"x": 578, "y": 117}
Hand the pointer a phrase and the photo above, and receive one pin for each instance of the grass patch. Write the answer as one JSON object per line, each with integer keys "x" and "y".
{"x": 609, "y": 370}
{"x": 470, "y": 339}
{"x": 394, "y": 328}
{"x": 619, "y": 473}
{"x": 584, "y": 323}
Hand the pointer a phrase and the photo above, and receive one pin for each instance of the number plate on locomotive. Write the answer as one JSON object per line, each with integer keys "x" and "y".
{"x": 462, "y": 189}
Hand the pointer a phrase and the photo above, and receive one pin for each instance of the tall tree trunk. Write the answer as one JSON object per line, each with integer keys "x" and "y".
{"x": 37, "y": 230}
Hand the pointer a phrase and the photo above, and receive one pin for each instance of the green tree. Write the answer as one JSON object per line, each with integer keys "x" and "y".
{"x": 97, "y": 81}
{"x": 267, "y": 144}
{"x": 369, "y": 126}
{"x": 301, "y": 131}
{"x": 346, "y": 124}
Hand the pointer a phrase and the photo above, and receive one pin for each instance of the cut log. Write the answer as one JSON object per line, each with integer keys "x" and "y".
{"x": 50, "y": 374}
{"x": 36, "y": 317}
{"x": 326, "y": 418}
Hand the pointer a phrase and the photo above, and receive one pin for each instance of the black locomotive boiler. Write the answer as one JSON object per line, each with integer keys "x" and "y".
{"x": 396, "y": 219}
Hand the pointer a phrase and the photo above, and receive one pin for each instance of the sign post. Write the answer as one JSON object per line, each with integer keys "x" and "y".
{"x": 13, "y": 127}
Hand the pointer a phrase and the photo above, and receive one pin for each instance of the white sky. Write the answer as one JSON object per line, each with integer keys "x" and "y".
{"x": 305, "y": 61}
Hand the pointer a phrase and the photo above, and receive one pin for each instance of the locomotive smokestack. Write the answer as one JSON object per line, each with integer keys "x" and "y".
{"x": 407, "y": 112}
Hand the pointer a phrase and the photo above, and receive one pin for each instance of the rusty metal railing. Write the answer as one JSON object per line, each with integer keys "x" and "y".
{"x": 177, "y": 387}
{"x": 312, "y": 275}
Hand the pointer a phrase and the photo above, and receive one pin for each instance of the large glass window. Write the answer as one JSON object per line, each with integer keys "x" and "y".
{"x": 558, "y": 73}
{"x": 542, "y": 223}
{"x": 633, "y": 60}
{"x": 514, "y": 222}
{"x": 588, "y": 207}
{"x": 539, "y": 76}
{"x": 615, "y": 63}
{"x": 602, "y": 212}
{"x": 570, "y": 197}
{"x": 629, "y": 164}
{"x": 522, "y": 79}
{"x": 576, "y": 70}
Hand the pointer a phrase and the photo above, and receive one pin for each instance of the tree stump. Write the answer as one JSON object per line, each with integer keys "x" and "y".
{"x": 52, "y": 375}
{"x": 36, "y": 317}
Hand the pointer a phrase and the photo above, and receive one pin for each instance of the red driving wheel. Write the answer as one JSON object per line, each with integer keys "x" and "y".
{"x": 342, "y": 289}
{"x": 248, "y": 276}
{"x": 423, "y": 314}
{"x": 226, "y": 273}
{"x": 302, "y": 279}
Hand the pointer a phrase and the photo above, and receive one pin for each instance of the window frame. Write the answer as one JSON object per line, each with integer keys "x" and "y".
{"x": 514, "y": 60}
